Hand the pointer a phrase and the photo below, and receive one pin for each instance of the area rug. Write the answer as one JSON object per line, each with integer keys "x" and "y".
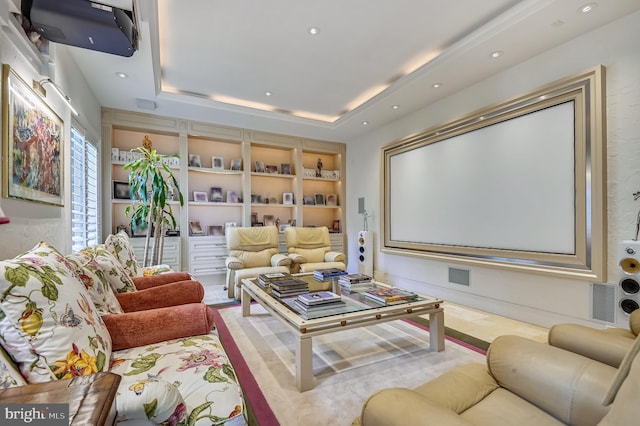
{"x": 348, "y": 366}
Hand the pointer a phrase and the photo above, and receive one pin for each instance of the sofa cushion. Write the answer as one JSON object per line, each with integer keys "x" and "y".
{"x": 623, "y": 371}
{"x": 10, "y": 377}
{"x": 120, "y": 246}
{"x": 150, "y": 399}
{"x": 197, "y": 366}
{"x": 625, "y": 409}
{"x": 48, "y": 323}
{"x": 101, "y": 274}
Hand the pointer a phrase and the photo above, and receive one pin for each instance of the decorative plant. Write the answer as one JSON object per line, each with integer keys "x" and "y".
{"x": 152, "y": 187}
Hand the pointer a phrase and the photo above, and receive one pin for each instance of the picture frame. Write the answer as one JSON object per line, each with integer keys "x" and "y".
{"x": 283, "y": 226}
{"x": 268, "y": 220}
{"x": 216, "y": 194}
{"x": 319, "y": 199}
{"x": 285, "y": 168}
{"x": 335, "y": 227}
{"x": 254, "y": 218}
{"x": 236, "y": 164}
{"x": 216, "y": 230}
{"x": 232, "y": 197}
{"x": 195, "y": 228}
{"x": 200, "y": 196}
{"x": 287, "y": 198}
{"x": 308, "y": 200}
{"x": 30, "y": 126}
{"x": 332, "y": 200}
{"x": 121, "y": 190}
{"x": 272, "y": 169}
{"x": 217, "y": 163}
{"x": 194, "y": 160}
{"x": 259, "y": 166}
{"x": 140, "y": 231}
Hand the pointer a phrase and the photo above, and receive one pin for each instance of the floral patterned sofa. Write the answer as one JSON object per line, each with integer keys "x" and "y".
{"x": 61, "y": 316}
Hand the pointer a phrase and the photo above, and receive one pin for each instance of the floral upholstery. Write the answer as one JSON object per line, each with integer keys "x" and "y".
{"x": 48, "y": 323}
{"x": 10, "y": 377}
{"x": 119, "y": 245}
{"x": 197, "y": 366}
{"x": 148, "y": 271}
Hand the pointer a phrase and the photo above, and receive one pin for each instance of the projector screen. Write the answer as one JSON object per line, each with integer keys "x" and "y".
{"x": 518, "y": 185}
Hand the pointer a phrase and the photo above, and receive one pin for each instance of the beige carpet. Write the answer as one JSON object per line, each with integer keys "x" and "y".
{"x": 348, "y": 366}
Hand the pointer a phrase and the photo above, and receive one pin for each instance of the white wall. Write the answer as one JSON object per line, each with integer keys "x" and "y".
{"x": 33, "y": 222}
{"x": 530, "y": 297}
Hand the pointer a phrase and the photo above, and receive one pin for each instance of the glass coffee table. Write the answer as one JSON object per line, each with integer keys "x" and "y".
{"x": 357, "y": 311}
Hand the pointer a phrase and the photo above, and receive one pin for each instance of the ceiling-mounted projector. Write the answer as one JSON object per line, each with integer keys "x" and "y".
{"x": 83, "y": 23}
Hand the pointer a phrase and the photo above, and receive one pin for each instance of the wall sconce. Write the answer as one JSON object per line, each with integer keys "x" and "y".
{"x": 38, "y": 85}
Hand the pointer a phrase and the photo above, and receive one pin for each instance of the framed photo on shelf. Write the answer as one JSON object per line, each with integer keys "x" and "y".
{"x": 195, "y": 228}
{"x": 216, "y": 194}
{"x": 308, "y": 200}
{"x": 336, "y": 225}
{"x": 194, "y": 160}
{"x": 271, "y": 169}
{"x": 121, "y": 190}
{"x": 285, "y": 168}
{"x": 287, "y": 198}
{"x": 332, "y": 200}
{"x": 268, "y": 220}
{"x": 232, "y": 197}
{"x": 236, "y": 164}
{"x": 200, "y": 196}
{"x": 319, "y": 199}
{"x": 283, "y": 226}
{"x": 216, "y": 230}
{"x": 33, "y": 144}
{"x": 259, "y": 167}
{"x": 254, "y": 218}
{"x": 217, "y": 163}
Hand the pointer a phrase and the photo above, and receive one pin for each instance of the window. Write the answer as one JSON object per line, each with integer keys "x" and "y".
{"x": 85, "y": 217}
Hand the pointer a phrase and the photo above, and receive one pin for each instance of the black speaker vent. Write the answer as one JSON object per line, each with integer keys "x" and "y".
{"x": 630, "y": 286}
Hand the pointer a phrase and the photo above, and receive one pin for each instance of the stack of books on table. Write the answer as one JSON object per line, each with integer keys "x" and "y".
{"x": 318, "y": 304}
{"x": 390, "y": 296}
{"x": 265, "y": 279}
{"x": 325, "y": 274}
{"x": 288, "y": 287}
{"x": 354, "y": 282}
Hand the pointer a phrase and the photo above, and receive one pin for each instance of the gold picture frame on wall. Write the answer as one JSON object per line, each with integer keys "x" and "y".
{"x": 32, "y": 143}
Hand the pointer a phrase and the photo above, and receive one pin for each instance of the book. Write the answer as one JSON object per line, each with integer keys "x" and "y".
{"x": 354, "y": 278}
{"x": 318, "y": 298}
{"x": 307, "y": 312}
{"x": 289, "y": 284}
{"x": 288, "y": 293}
{"x": 389, "y": 296}
{"x": 273, "y": 276}
{"x": 322, "y": 274}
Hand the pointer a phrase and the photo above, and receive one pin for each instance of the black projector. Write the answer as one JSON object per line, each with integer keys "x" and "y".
{"x": 83, "y": 23}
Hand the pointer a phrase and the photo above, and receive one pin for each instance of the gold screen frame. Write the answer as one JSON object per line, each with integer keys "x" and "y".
{"x": 587, "y": 92}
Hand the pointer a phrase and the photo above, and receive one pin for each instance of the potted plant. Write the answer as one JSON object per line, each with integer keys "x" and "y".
{"x": 152, "y": 186}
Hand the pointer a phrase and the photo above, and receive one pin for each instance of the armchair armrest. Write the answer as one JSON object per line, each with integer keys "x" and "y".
{"x": 157, "y": 325}
{"x": 280, "y": 260}
{"x": 297, "y": 258}
{"x": 599, "y": 345}
{"x": 178, "y": 293}
{"x": 142, "y": 283}
{"x": 333, "y": 256}
{"x": 233, "y": 262}
{"x": 409, "y": 408}
{"x": 568, "y": 386}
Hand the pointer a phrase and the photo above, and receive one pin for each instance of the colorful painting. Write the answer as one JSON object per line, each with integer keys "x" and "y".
{"x": 33, "y": 144}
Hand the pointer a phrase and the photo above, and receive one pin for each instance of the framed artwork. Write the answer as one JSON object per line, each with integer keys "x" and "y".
{"x": 217, "y": 163}
{"x": 319, "y": 199}
{"x": 232, "y": 197}
{"x": 195, "y": 228}
{"x": 254, "y": 218}
{"x": 271, "y": 169}
{"x": 236, "y": 164}
{"x": 121, "y": 190}
{"x": 287, "y": 198}
{"x": 194, "y": 160}
{"x": 283, "y": 226}
{"x": 285, "y": 168}
{"x": 308, "y": 200}
{"x": 216, "y": 230}
{"x": 259, "y": 167}
{"x": 216, "y": 195}
{"x": 33, "y": 144}
{"x": 268, "y": 220}
{"x": 336, "y": 225}
{"x": 332, "y": 200}
{"x": 200, "y": 196}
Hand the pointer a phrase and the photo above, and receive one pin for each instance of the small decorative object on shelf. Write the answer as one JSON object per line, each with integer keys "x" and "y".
{"x": 216, "y": 195}
{"x": 217, "y": 163}
{"x": 319, "y": 199}
{"x": 287, "y": 198}
{"x": 285, "y": 168}
{"x": 146, "y": 142}
{"x": 332, "y": 200}
{"x": 194, "y": 160}
{"x": 268, "y": 220}
{"x": 319, "y": 167}
{"x": 271, "y": 169}
{"x": 216, "y": 230}
{"x": 259, "y": 167}
{"x": 236, "y": 164}
{"x": 232, "y": 197}
{"x": 308, "y": 200}
{"x": 200, "y": 196}
{"x": 195, "y": 228}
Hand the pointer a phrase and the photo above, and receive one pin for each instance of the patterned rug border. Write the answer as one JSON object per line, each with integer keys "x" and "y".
{"x": 257, "y": 405}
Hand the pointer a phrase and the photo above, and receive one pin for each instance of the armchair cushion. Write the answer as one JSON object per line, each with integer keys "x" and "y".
{"x": 253, "y": 259}
{"x": 150, "y": 399}
{"x": 297, "y": 258}
{"x": 233, "y": 262}
{"x": 315, "y": 255}
{"x": 178, "y": 293}
{"x": 334, "y": 256}
{"x": 49, "y": 325}
{"x": 120, "y": 246}
{"x": 142, "y": 328}
{"x": 280, "y": 260}
{"x": 145, "y": 282}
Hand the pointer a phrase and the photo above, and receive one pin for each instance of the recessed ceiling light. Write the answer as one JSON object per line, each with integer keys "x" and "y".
{"x": 313, "y": 30}
{"x": 364, "y": 123}
{"x": 395, "y": 106}
{"x": 268, "y": 93}
{"x": 436, "y": 85}
{"x": 496, "y": 54}
{"x": 121, "y": 74}
{"x": 587, "y": 7}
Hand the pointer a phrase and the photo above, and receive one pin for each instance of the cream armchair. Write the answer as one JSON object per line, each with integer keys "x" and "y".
{"x": 310, "y": 249}
{"x": 252, "y": 251}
